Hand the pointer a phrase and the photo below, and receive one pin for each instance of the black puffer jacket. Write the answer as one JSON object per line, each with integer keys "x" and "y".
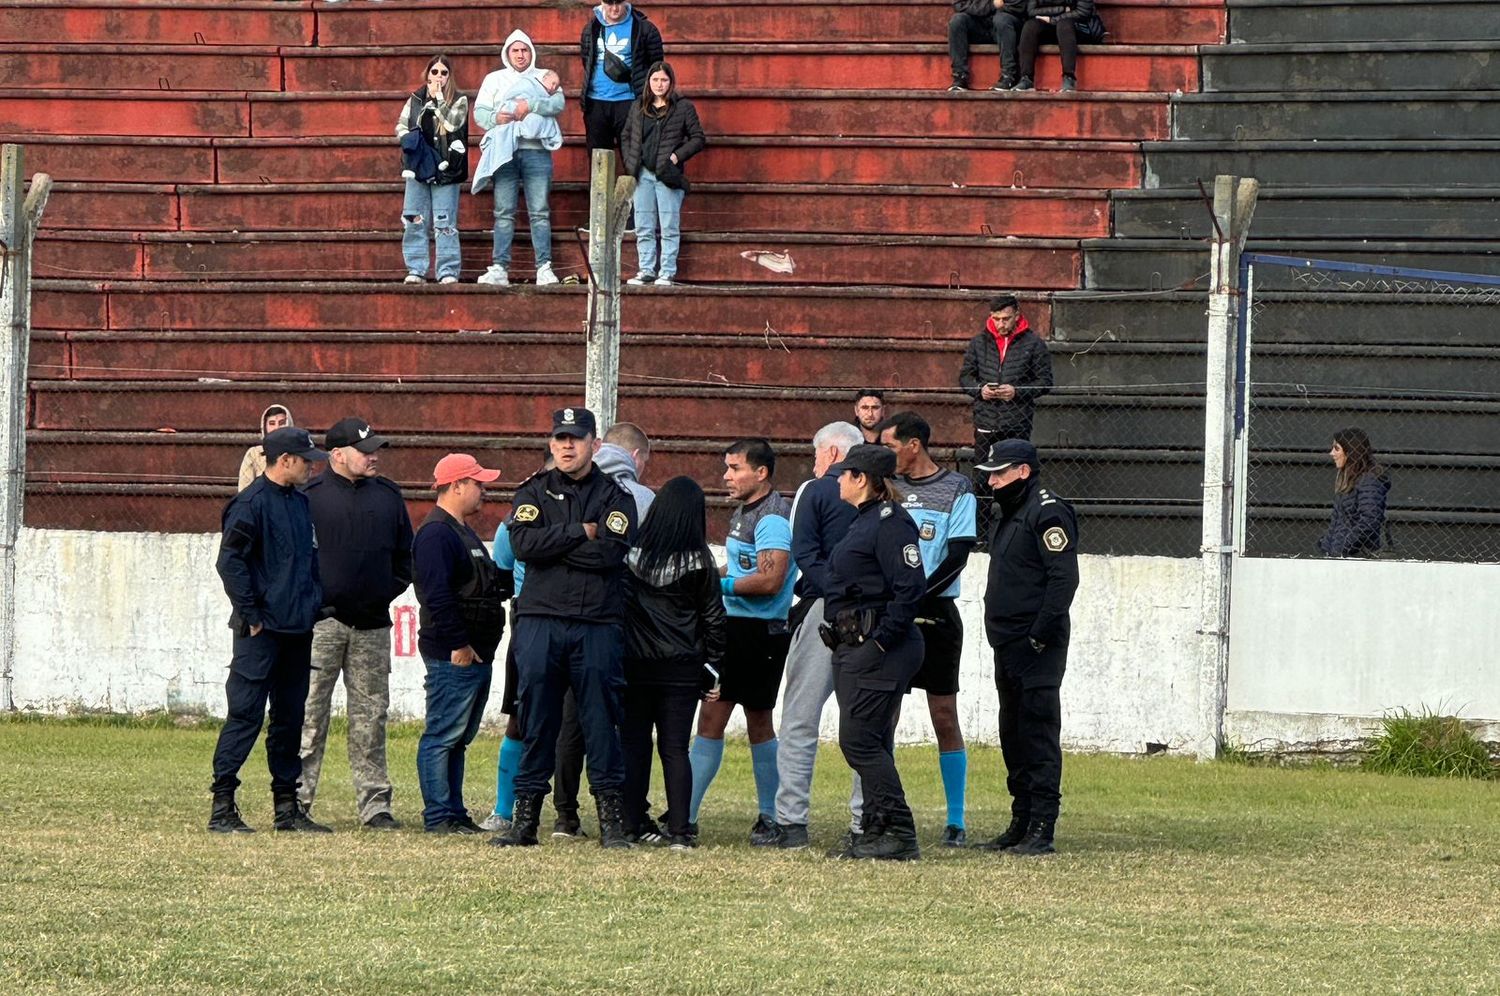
{"x": 674, "y": 622}
{"x": 986, "y": 8}
{"x": 1027, "y": 366}
{"x": 1358, "y": 516}
{"x": 645, "y": 50}
{"x": 1082, "y": 13}
{"x": 681, "y": 133}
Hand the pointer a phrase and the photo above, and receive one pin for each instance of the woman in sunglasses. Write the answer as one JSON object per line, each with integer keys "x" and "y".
{"x": 434, "y": 133}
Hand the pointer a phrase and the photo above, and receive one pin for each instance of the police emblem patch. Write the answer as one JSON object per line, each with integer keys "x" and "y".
{"x": 928, "y": 531}
{"x": 568, "y": 416}
{"x": 527, "y": 513}
{"x": 911, "y": 555}
{"x": 1055, "y": 539}
{"x": 616, "y": 522}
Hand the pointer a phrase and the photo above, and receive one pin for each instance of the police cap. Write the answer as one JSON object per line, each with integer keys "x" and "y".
{"x": 1007, "y": 453}
{"x": 577, "y": 422}
{"x": 870, "y": 460}
{"x": 293, "y": 440}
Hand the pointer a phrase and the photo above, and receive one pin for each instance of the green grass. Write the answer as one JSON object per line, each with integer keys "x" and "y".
{"x": 1430, "y": 745}
{"x": 1171, "y": 877}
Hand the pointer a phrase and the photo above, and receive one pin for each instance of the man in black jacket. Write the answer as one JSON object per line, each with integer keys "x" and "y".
{"x": 364, "y": 557}
{"x": 1006, "y": 368}
{"x": 618, "y": 47}
{"x": 572, "y": 527}
{"x": 268, "y": 561}
{"x": 985, "y": 22}
{"x": 1033, "y": 577}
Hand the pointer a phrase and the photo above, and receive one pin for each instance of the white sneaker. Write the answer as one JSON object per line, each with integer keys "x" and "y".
{"x": 412, "y": 278}
{"x": 544, "y": 275}
{"x": 495, "y": 276}
{"x": 495, "y": 823}
{"x": 448, "y": 280}
{"x": 641, "y": 279}
{"x": 663, "y": 282}
{"x": 406, "y": 174}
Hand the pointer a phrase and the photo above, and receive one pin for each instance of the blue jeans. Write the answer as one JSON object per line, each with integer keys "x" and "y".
{"x": 655, "y": 201}
{"x": 553, "y": 655}
{"x": 455, "y": 704}
{"x": 531, "y": 169}
{"x": 430, "y": 212}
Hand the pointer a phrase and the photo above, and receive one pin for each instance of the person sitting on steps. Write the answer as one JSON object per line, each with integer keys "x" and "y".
{"x": 1066, "y": 22}
{"x": 983, "y": 22}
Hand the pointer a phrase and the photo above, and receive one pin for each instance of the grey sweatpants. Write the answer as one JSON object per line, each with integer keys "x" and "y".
{"x": 808, "y": 687}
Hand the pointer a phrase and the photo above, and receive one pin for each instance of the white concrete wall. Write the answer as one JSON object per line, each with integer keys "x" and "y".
{"x": 1319, "y": 649}
{"x": 137, "y": 621}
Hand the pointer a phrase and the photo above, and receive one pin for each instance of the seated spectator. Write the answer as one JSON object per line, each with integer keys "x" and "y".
{"x": 661, "y": 135}
{"x": 254, "y": 463}
{"x": 434, "y": 133}
{"x": 984, "y": 22}
{"x": 1066, "y": 22}
{"x": 1360, "y": 487}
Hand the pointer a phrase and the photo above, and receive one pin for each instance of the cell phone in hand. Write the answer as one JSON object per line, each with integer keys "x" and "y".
{"x": 711, "y": 670}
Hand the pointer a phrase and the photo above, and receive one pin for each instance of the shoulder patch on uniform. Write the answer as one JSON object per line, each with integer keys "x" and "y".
{"x": 527, "y": 513}
{"x": 911, "y": 555}
{"x": 616, "y": 523}
{"x": 1055, "y": 539}
{"x": 886, "y": 510}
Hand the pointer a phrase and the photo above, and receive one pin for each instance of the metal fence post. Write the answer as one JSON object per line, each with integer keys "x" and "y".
{"x": 609, "y": 208}
{"x": 1234, "y": 205}
{"x": 18, "y": 222}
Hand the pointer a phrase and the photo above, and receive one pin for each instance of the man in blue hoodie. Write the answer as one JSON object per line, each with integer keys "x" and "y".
{"x": 268, "y": 561}
{"x": 618, "y": 47}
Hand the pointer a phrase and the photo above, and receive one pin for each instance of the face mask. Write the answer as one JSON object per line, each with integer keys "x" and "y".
{"x": 1009, "y": 498}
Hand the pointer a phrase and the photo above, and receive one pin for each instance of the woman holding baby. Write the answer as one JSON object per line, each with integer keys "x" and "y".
{"x": 434, "y": 133}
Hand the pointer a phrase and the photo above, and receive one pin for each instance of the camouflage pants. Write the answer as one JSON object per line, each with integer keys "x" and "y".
{"x": 363, "y": 656}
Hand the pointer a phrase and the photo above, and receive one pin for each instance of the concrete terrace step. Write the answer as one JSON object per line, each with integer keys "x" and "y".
{"x": 707, "y": 257}
{"x": 775, "y": 208}
{"x": 685, "y": 21}
{"x": 888, "y": 312}
{"x": 1396, "y": 213}
{"x": 745, "y": 113}
{"x": 911, "y": 161}
{"x": 1449, "y": 163}
{"x": 1400, "y": 21}
{"x": 1127, "y": 264}
{"x": 1407, "y": 115}
{"x": 1322, "y": 67}
{"x": 243, "y": 22}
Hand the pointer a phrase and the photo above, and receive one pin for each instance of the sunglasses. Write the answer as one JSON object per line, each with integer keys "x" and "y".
{"x": 437, "y": 72}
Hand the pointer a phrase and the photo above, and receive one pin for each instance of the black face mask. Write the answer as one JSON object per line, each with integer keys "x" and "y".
{"x": 1010, "y": 497}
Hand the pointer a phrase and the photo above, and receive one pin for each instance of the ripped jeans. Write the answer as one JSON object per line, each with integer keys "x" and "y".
{"x": 430, "y": 212}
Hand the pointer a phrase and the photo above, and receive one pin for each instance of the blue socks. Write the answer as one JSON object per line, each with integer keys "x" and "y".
{"x": 954, "y": 765}
{"x": 705, "y": 756}
{"x": 767, "y": 780}
{"x": 505, "y": 777}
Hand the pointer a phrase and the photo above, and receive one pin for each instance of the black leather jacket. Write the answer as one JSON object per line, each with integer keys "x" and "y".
{"x": 674, "y": 622}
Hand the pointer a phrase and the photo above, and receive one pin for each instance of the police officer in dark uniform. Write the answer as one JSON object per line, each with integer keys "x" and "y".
{"x": 572, "y": 527}
{"x": 1033, "y": 576}
{"x": 875, "y": 582}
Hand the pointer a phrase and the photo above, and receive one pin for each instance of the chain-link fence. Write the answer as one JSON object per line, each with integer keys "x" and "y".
{"x": 1372, "y": 401}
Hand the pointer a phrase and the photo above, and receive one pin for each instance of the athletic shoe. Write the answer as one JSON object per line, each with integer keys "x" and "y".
{"x": 663, "y": 282}
{"x": 494, "y": 823}
{"x": 448, "y": 280}
{"x": 793, "y": 837}
{"x": 1025, "y": 84}
{"x": 956, "y": 87}
{"x": 954, "y": 836}
{"x": 564, "y": 829}
{"x": 414, "y": 278}
{"x": 649, "y": 833}
{"x": 382, "y": 821}
{"x": 544, "y": 275}
{"x": 495, "y": 276}
{"x": 641, "y": 278}
{"x": 453, "y": 828}
{"x": 683, "y": 843}
{"x": 1069, "y": 84}
{"x": 765, "y": 833}
{"x": 1006, "y": 83}
{"x": 470, "y": 824}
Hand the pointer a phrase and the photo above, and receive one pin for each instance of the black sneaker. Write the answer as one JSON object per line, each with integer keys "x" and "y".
{"x": 692, "y": 828}
{"x": 1006, "y": 83}
{"x": 452, "y": 828}
{"x": 1025, "y": 84}
{"x": 565, "y": 829}
{"x": 956, "y": 88}
{"x": 765, "y": 833}
{"x": 382, "y": 821}
{"x": 954, "y": 836}
{"x": 1069, "y": 84}
{"x": 793, "y": 837}
{"x": 649, "y": 833}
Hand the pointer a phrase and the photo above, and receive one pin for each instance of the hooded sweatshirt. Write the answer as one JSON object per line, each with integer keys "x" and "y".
{"x": 254, "y": 463}
{"x": 617, "y": 463}
{"x": 496, "y": 85}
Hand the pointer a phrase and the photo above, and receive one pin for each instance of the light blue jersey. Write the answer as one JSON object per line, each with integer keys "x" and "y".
{"x": 944, "y": 509}
{"x": 505, "y": 557}
{"x": 754, "y": 528}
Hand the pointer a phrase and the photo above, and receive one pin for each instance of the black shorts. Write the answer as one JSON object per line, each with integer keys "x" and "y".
{"x": 944, "y": 637}
{"x": 754, "y": 660}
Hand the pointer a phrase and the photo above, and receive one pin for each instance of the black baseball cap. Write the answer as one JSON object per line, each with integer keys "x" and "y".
{"x": 870, "y": 460}
{"x": 355, "y": 432}
{"x": 293, "y": 440}
{"x": 576, "y": 422}
{"x": 1006, "y": 453}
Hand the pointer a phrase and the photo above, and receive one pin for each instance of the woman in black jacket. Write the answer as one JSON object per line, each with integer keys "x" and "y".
{"x": 1065, "y": 21}
{"x": 661, "y": 134}
{"x": 434, "y": 134}
{"x": 1359, "y": 490}
{"x": 674, "y": 641}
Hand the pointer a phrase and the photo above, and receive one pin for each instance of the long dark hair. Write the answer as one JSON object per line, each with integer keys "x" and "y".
{"x": 648, "y": 99}
{"x": 676, "y": 527}
{"x": 1359, "y": 459}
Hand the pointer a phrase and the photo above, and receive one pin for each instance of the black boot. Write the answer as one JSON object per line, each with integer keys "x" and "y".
{"x": 1010, "y": 838}
{"x": 611, "y": 807}
{"x": 291, "y": 816}
{"x": 225, "y": 816}
{"x": 522, "y": 831}
{"x": 896, "y": 840}
{"x": 1038, "y": 840}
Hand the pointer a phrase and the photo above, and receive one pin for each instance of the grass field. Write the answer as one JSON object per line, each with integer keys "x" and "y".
{"x": 1171, "y": 877}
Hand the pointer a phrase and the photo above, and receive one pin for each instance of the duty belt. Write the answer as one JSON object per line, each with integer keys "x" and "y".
{"x": 850, "y": 627}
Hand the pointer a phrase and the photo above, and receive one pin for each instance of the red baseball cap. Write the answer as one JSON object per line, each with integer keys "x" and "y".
{"x": 457, "y": 467}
